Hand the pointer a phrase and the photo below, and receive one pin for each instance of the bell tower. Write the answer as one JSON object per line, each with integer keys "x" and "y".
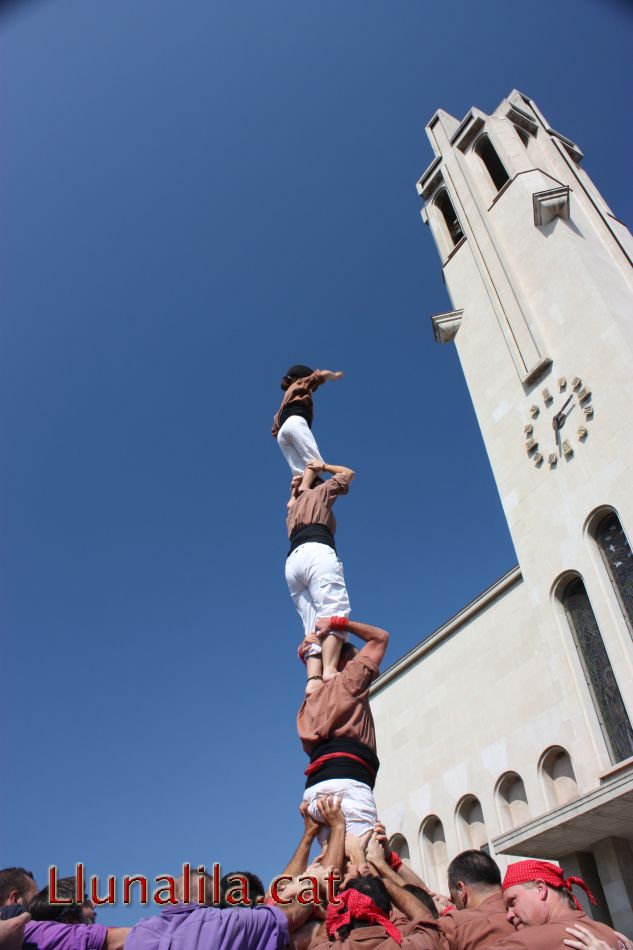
{"x": 538, "y": 270}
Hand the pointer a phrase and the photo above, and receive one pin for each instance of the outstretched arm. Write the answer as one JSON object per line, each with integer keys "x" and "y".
{"x": 328, "y": 374}
{"x": 376, "y": 640}
{"x": 299, "y": 861}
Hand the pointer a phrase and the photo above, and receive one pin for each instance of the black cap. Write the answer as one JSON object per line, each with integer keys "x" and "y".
{"x": 299, "y": 371}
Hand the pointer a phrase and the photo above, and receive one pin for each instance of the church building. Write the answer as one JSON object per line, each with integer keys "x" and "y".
{"x": 533, "y": 680}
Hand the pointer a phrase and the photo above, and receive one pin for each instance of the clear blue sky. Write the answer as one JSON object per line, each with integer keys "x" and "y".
{"x": 193, "y": 196}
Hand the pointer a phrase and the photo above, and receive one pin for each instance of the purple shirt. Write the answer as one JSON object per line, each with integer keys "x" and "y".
{"x": 50, "y": 935}
{"x": 192, "y": 927}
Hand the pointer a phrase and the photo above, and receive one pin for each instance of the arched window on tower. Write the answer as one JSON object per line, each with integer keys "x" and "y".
{"x": 494, "y": 166}
{"x": 445, "y": 206}
{"x": 434, "y": 852}
{"x": 398, "y": 843}
{"x": 470, "y": 821}
{"x": 618, "y": 558}
{"x": 603, "y": 686}
{"x": 512, "y": 801}
{"x": 559, "y": 778}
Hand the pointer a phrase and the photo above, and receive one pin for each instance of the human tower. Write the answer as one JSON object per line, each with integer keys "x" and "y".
{"x": 334, "y": 723}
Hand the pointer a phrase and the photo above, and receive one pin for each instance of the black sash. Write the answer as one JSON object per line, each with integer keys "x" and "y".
{"x": 311, "y": 532}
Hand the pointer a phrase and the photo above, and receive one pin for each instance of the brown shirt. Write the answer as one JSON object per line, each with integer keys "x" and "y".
{"x": 376, "y": 938}
{"x": 314, "y": 505}
{"x": 299, "y": 392}
{"x": 471, "y": 929}
{"x": 340, "y": 707}
{"x": 550, "y": 936}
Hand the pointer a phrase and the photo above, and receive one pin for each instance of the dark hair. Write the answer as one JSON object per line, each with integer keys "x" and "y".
{"x": 14, "y": 879}
{"x": 348, "y": 652}
{"x": 40, "y": 907}
{"x": 474, "y": 867}
{"x": 374, "y": 888}
{"x": 424, "y": 897}
{"x": 298, "y": 371}
{"x": 250, "y": 883}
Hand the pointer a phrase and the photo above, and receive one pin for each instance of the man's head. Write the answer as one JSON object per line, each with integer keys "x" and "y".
{"x": 472, "y": 877}
{"x": 298, "y": 371}
{"x": 424, "y": 897}
{"x": 372, "y": 888}
{"x": 17, "y": 886}
{"x": 40, "y": 908}
{"x": 200, "y": 886}
{"x": 241, "y": 889}
{"x": 88, "y": 912}
{"x": 348, "y": 652}
{"x": 536, "y": 891}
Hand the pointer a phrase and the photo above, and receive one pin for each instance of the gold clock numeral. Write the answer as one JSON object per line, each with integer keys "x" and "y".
{"x": 588, "y": 411}
{"x": 528, "y": 429}
{"x": 534, "y": 411}
{"x": 547, "y": 396}
{"x": 582, "y": 432}
{"x": 576, "y": 382}
{"x": 562, "y": 382}
{"x": 584, "y": 393}
{"x": 538, "y": 458}
{"x": 552, "y": 458}
{"x": 567, "y": 448}
{"x": 530, "y": 445}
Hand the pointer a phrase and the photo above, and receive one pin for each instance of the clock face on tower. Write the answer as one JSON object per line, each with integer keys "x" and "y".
{"x": 558, "y": 423}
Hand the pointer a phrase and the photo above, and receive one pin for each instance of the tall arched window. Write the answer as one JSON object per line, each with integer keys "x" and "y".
{"x": 605, "y": 692}
{"x": 618, "y": 558}
{"x": 559, "y": 778}
{"x": 434, "y": 853}
{"x": 399, "y": 844}
{"x": 512, "y": 800}
{"x": 445, "y": 205}
{"x": 470, "y": 820}
{"x": 486, "y": 151}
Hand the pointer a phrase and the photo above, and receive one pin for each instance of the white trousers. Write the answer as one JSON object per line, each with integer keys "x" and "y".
{"x": 357, "y": 804}
{"x": 316, "y": 583}
{"x": 298, "y": 444}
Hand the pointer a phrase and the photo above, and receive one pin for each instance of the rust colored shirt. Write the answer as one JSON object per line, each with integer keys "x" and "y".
{"x": 550, "y": 936}
{"x": 340, "y": 707}
{"x": 376, "y": 938}
{"x": 299, "y": 392}
{"x": 314, "y": 505}
{"x": 472, "y": 929}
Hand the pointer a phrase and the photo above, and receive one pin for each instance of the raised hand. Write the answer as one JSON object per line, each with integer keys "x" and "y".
{"x": 311, "y": 827}
{"x": 381, "y": 833}
{"x": 322, "y": 627}
{"x": 305, "y": 644}
{"x": 375, "y": 851}
{"x": 330, "y": 809}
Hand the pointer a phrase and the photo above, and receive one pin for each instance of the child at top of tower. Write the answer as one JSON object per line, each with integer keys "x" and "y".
{"x": 293, "y": 422}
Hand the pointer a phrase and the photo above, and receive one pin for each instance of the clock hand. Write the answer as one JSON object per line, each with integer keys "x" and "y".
{"x": 559, "y": 419}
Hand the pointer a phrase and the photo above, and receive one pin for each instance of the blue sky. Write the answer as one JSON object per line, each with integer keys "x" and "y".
{"x": 192, "y": 197}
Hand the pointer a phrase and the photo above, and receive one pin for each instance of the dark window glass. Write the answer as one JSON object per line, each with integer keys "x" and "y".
{"x": 618, "y": 557}
{"x": 493, "y": 163}
{"x": 445, "y": 205}
{"x": 522, "y": 135}
{"x": 614, "y": 720}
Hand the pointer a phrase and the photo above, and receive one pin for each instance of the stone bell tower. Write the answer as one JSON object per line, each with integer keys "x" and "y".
{"x": 539, "y": 274}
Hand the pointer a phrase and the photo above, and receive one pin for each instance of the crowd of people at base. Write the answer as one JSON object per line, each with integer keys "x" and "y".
{"x": 381, "y": 905}
{"x": 357, "y": 893}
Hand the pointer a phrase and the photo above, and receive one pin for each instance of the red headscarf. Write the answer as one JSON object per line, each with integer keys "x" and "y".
{"x": 522, "y": 872}
{"x": 352, "y": 905}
